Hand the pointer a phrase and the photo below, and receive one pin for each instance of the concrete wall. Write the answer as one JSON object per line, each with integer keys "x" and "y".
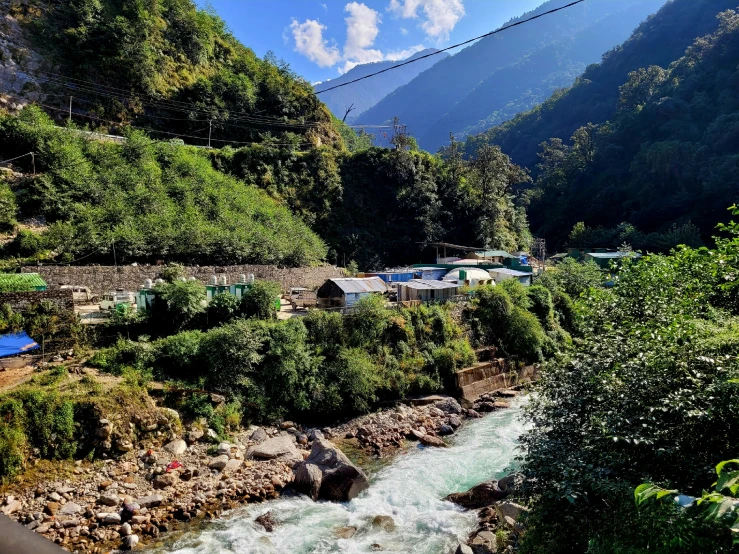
{"x": 19, "y": 301}
{"x": 105, "y": 278}
{"x": 491, "y": 376}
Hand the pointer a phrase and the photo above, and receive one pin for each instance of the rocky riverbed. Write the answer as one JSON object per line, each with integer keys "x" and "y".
{"x": 182, "y": 476}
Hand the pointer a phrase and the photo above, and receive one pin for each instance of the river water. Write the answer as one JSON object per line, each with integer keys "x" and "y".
{"x": 410, "y": 490}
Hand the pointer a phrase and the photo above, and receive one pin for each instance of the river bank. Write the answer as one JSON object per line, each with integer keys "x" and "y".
{"x": 179, "y": 477}
{"x": 404, "y": 509}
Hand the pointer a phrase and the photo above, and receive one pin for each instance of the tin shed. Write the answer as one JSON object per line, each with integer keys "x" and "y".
{"x": 343, "y": 292}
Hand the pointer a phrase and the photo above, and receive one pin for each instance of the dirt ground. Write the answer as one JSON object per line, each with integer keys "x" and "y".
{"x": 10, "y": 378}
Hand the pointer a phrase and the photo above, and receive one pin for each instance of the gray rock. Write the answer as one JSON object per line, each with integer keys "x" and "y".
{"x": 70, "y": 509}
{"x": 176, "y": 447}
{"x": 109, "y": 500}
{"x": 218, "y": 462}
{"x": 233, "y": 464}
{"x": 11, "y": 506}
{"x": 463, "y": 549}
{"x": 346, "y": 532}
{"x": 211, "y": 435}
{"x": 340, "y": 479}
{"x": 308, "y": 479}
{"x": 124, "y": 446}
{"x": 111, "y": 519}
{"x": 510, "y": 509}
{"x": 445, "y": 429}
{"x": 125, "y": 530}
{"x": 258, "y": 435}
{"x": 484, "y": 542}
{"x": 479, "y": 496}
{"x": 165, "y": 480}
{"x": 386, "y": 523}
{"x": 54, "y": 496}
{"x": 130, "y": 542}
{"x": 151, "y": 501}
{"x": 104, "y": 429}
{"x": 194, "y": 435}
{"x": 455, "y": 421}
{"x": 430, "y": 440}
{"x": 510, "y": 482}
{"x": 224, "y": 448}
{"x": 449, "y": 406}
{"x": 315, "y": 434}
{"x": 281, "y": 447}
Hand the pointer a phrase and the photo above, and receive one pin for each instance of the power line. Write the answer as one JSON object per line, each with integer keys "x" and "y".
{"x": 452, "y": 47}
{"x": 167, "y": 104}
{"x": 17, "y": 158}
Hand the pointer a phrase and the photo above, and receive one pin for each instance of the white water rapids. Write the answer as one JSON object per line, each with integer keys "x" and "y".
{"x": 410, "y": 490}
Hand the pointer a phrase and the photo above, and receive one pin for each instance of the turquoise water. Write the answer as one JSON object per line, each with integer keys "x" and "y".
{"x": 410, "y": 490}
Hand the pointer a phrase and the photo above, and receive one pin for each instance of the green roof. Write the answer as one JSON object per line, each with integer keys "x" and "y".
{"x": 494, "y": 254}
{"x": 21, "y": 281}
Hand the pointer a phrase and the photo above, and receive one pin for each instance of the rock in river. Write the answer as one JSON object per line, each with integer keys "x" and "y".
{"x": 479, "y": 496}
{"x": 340, "y": 480}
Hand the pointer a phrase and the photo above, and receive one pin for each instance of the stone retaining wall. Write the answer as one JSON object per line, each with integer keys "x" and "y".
{"x": 497, "y": 374}
{"x": 20, "y": 301}
{"x": 105, "y": 278}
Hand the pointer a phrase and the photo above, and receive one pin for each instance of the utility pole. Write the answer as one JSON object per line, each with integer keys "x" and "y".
{"x": 210, "y": 130}
{"x": 70, "y": 110}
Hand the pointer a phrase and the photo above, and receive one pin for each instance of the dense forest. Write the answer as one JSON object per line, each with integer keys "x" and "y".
{"x": 594, "y": 98}
{"x": 667, "y": 157}
{"x": 490, "y": 81}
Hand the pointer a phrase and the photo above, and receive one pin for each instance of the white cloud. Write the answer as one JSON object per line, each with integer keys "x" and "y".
{"x": 362, "y": 29}
{"x": 324, "y": 6}
{"x": 309, "y": 41}
{"x": 403, "y": 31}
{"x": 396, "y": 55}
{"x": 440, "y": 16}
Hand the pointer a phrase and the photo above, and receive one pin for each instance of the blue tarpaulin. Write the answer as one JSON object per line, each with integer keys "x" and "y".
{"x": 16, "y": 343}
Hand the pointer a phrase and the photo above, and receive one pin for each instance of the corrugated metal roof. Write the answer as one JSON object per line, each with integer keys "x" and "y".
{"x": 472, "y": 273}
{"x": 360, "y": 284}
{"x": 494, "y": 254}
{"x": 22, "y": 280}
{"x": 423, "y": 284}
{"x": 512, "y": 272}
{"x": 613, "y": 255}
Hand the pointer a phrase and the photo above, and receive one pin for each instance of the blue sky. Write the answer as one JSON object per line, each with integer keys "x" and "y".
{"x": 322, "y": 38}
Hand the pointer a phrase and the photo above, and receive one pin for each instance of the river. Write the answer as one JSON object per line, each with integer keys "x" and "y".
{"x": 410, "y": 490}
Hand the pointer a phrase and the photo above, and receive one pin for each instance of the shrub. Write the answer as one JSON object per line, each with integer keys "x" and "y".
{"x": 125, "y": 353}
{"x": 516, "y": 292}
{"x": 13, "y": 446}
{"x": 349, "y": 384}
{"x": 325, "y": 332}
{"x": 366, "y": 326}
{"x": 258, "y": 301}
{"x": 542, "y": 305}
{"x": 230, "y": 354}
{"x": 524, "y": 337}
{"x": 177, "y": 356}
{"x": 177, "y": 304}
{"x": 222, "y": 309}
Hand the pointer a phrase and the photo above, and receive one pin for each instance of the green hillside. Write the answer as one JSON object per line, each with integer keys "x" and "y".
{"x": 593, "y": 98}
{"x": 669, "y": 155}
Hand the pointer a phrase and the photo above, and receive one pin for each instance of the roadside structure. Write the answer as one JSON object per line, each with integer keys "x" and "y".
{"x": 427, "y": 291}
{"x": 21, "y": 282}
{"x": 503, "y": 274}
{"x": 344, "y": 292}
{"x": 469, "y": 276}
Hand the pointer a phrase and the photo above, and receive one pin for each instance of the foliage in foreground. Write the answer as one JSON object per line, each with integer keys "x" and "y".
{"x": 648, "y": 395}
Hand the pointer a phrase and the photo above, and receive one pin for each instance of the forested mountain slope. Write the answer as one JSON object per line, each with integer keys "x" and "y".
{"x": 367, "y": 93}
{"x": 162, "y": 64}
{"x": 659, "y": 41}
{"x": 669, "y": 155}
{"x": 434, "y": 93}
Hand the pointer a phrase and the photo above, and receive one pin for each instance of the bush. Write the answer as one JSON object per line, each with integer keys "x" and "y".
{"x": 366, "y": 326}
{"x": 177, "y": 304}
{"x": 222, "y": 309}
{"x": 125, "y": 353}
{"x": 229, "y": 355}
{"x": 258, "y": 301}
{"x": 542, "y": 305}
{"x": 349, "y": 384}
{"x": 516, "y": 292}
{"x": 13, "y": 446}
{"x": 178, "y": 356}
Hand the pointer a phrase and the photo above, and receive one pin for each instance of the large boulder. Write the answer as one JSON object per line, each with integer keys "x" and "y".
{"x": 282, "y": 448}
{"x": 478, "y": 496}
{"x": 510, "y": 509}
{"x": 176, "y": 447}
{"x": 340, "y": 479}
